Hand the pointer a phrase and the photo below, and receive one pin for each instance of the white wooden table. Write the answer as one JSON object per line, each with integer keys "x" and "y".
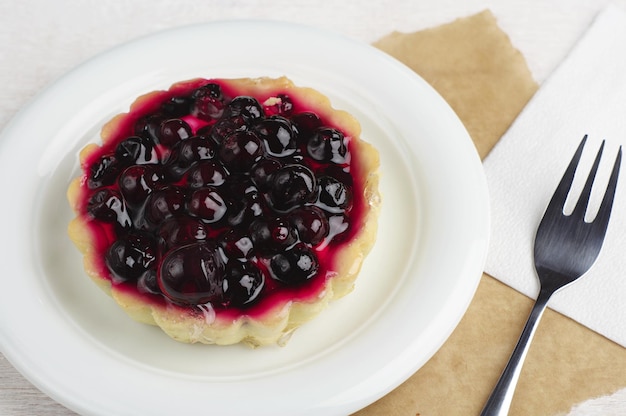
{"x": 41, "y": 39}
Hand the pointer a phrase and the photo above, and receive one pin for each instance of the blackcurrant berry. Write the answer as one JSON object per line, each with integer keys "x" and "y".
{"x": 334, "y": 195}
{"x": 208, "y": 102}
{"x": 291, "y": 186}
{"x": 240, "y": 151}
{"x": 192, "y": 274}
{"x": 138, "y": 181}
{"x": 136, "y": 150}
{"x": 311, "y": 223}
{"x": 207, "y": 204}
{"x": 131, "y": 256}
{"x": 242, "y": 283}
{"x": 278, "y": 136}
{"x": 104, "y": 172}
{"x": 173, "y": 131}
{"x": 295, "y": 265}
{"x": 108, "y": 206}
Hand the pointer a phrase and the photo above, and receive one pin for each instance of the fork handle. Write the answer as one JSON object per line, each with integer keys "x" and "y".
{"x": 499, "y": 402}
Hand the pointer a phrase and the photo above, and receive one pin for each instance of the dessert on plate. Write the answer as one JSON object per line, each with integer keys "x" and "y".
{"x": 227, "y": 210}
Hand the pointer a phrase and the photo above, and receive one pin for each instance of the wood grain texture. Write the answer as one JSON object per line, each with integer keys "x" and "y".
{"x": 19, "y": 397}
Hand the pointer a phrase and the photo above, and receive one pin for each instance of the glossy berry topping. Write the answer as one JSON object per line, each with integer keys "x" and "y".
{"x": 244, "y": 107}
{"x": 137, "y": 182}
{"x": 262, "y": 172}
{"x": 206, "y": 173}
{"x": 208, "y": 102}
{"x": 182, "y": 156}
{"x": 281, "y": 105}
{"x": 306, "y": 123}
{"x": 278, "y": 136}
{"x": 177, "y": 106}
{"x": 210, "y": 196}
{"x": 295, "y": 265}
{"x": 334, "y": 195}
{"x": 131, "y": 256}
{"x": 108, "y": 206}
{"x": 165, "y": 203}
{"x": 311, "y": 223}
{"x": 291, "y": 186}
{"x": 191, "y": 274}
{"x": 177, "y": 231}
{"x": 237, "y": 244}
{"x": 272, "y": 235}
{"x": 243, "y": 283}
{"x": 173, "y": 131}
{"x": 103, "y": 172}
{"x": 207, "y": 204}
{"x": 327, "y": 145}
{"x": 137, "y": 151}
{"x": 240, "y": 151}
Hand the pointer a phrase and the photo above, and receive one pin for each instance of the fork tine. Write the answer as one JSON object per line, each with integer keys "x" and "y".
{"x": 557, "y": 201}
{"x": 583, "y": 200}
{"x": 604, "y": 212}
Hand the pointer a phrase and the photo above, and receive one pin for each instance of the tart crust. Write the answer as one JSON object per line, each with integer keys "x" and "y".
{"x": 276, "y": 324}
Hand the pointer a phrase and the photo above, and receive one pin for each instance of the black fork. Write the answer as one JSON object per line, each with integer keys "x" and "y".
{"x": 566, "y": 246}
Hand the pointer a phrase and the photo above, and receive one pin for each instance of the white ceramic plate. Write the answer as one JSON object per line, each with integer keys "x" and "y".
{"x": 76, "y": 345}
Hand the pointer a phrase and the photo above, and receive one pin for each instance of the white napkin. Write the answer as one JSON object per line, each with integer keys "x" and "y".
{"x": 586, "y": 94}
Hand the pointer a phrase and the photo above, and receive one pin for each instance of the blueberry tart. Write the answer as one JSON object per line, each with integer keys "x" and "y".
{"x": 227, "y": 210}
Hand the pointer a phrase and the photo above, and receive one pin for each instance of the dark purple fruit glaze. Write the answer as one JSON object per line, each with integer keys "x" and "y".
{"x": 203, "y": 195}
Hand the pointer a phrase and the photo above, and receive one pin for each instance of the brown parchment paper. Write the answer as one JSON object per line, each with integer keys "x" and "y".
{"x": 474, "y": 66}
